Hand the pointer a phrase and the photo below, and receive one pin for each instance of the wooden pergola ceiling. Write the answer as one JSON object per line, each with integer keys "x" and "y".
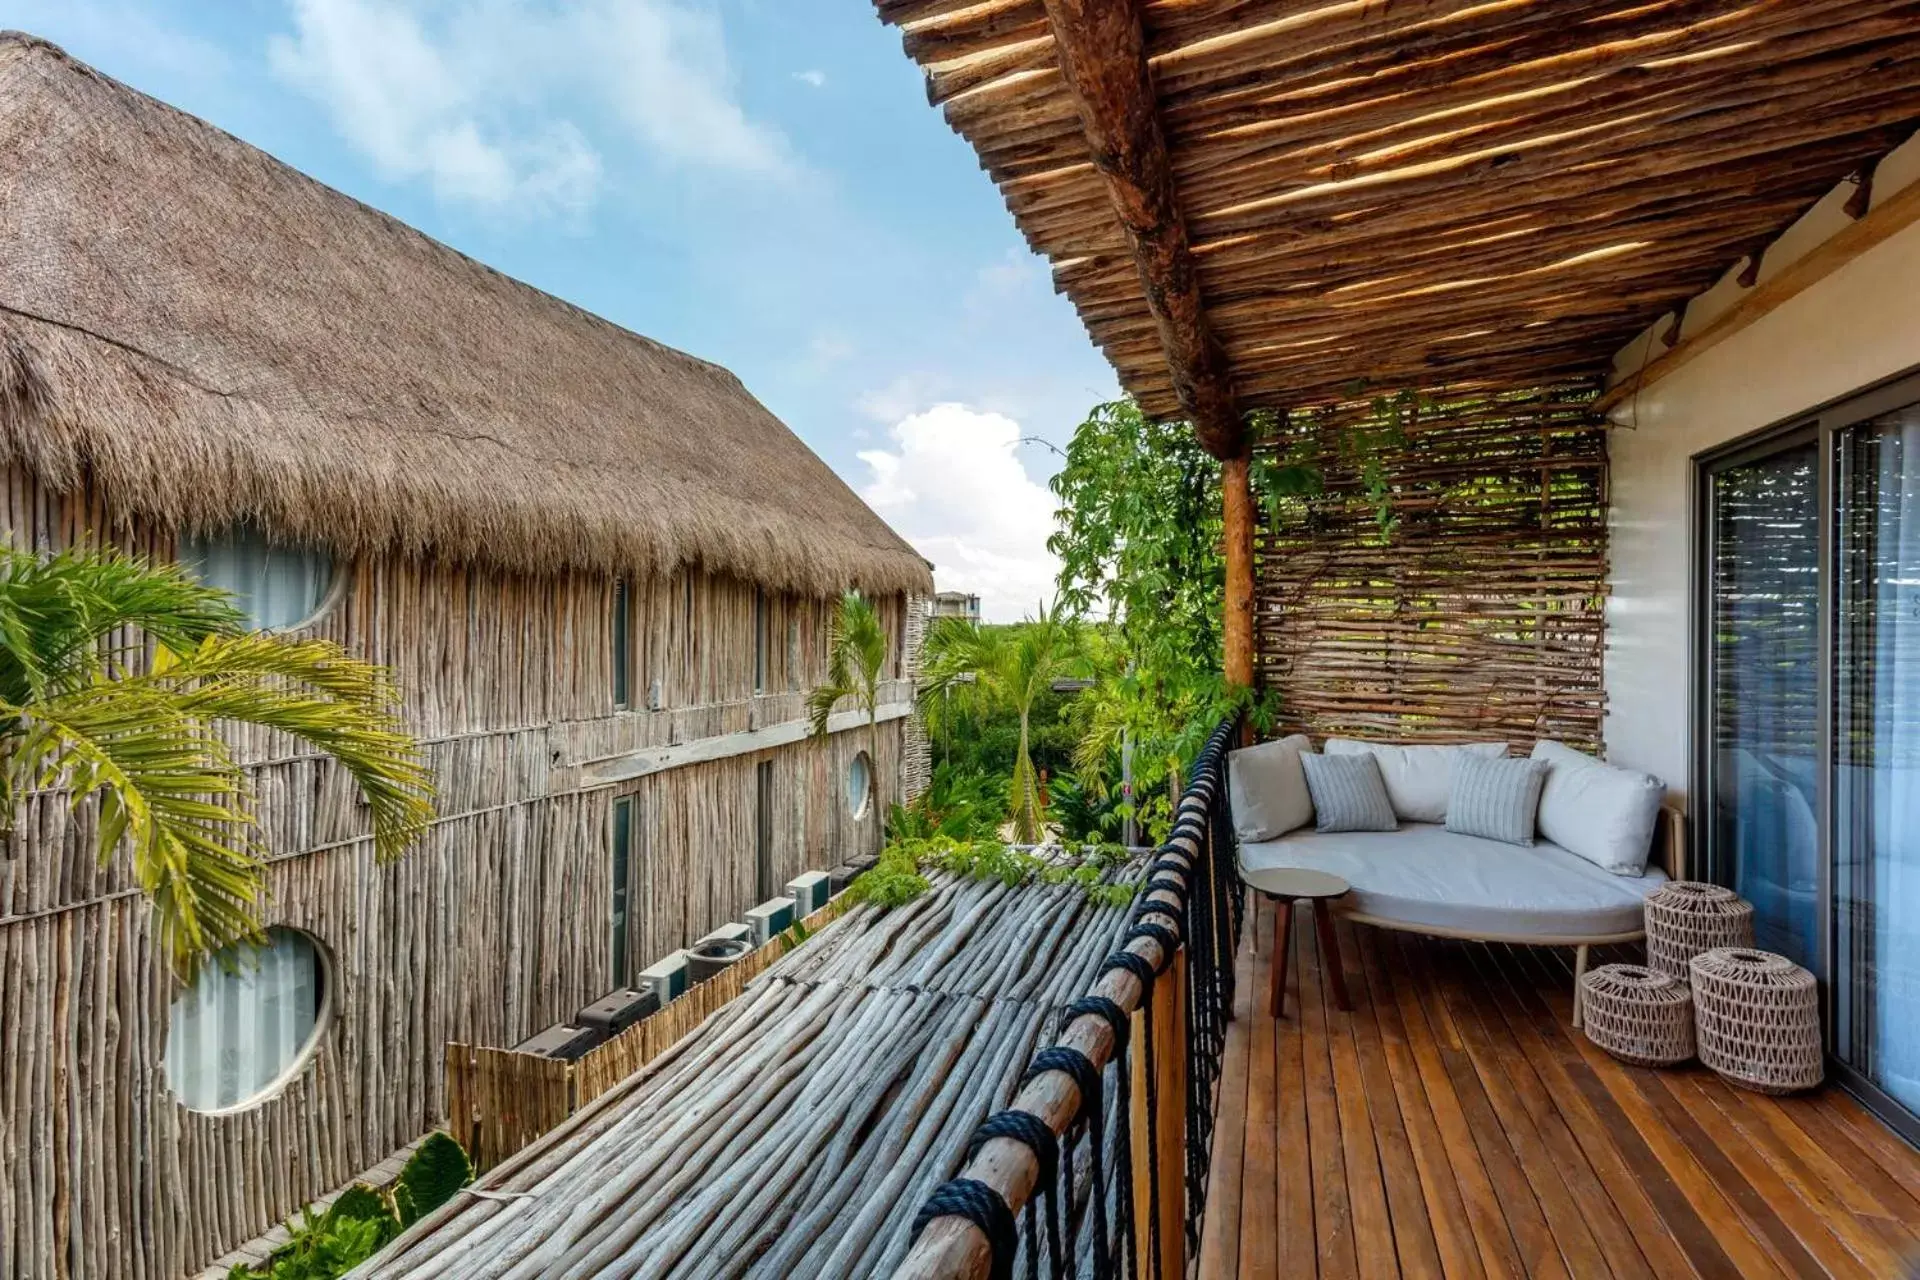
{"x": 1466, "y": 192}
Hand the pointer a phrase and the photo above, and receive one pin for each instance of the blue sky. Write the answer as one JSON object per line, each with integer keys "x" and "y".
{"x": 760, "y": 182}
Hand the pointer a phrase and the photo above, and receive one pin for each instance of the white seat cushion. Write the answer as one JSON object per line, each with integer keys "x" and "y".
{"x": 1267, "y": 790}
{"x": 1427, "y": 877}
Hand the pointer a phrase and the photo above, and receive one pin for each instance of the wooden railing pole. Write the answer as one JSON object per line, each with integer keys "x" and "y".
{"x": 952, "y": 1247}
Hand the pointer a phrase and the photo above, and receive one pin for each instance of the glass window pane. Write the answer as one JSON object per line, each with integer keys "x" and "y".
{"x": 622, "y": 857}
{"x": 1762, "y": 830}
{"x": 1876, "y": 785}
{"x": 859, "y": 784}
{"x": 276, "y": 586}
{"x": 249, "y": 1017}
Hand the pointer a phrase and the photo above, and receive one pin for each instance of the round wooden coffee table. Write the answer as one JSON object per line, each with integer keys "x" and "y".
{"x": 1284, "y": 886}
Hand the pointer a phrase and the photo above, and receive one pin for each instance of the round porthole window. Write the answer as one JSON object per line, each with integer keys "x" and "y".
{"x": 277, "y": 587}
{"x": 860, "y": 785}
{"x": 249, "y": 1023}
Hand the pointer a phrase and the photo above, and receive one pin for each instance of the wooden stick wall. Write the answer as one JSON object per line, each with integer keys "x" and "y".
{"x": 494, "y": 928}
{"x": 1478, "y": 615}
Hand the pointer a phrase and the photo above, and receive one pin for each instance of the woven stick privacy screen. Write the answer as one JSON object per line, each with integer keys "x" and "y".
{"x": 1477, "y": 613}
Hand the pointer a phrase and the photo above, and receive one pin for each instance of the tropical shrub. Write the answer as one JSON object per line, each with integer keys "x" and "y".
{"x": 362, "y": 1220}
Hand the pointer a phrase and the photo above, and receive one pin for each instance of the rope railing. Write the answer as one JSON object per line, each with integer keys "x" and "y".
{"x": 1081, "y": 1218}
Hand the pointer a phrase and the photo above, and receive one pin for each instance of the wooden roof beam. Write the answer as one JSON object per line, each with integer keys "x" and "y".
{"x": 1103, "y": 59}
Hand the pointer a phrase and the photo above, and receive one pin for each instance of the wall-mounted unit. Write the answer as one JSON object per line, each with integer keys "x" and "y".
{"x": 843, "y": 875}
{"x": 565, "y": 1042}
{"x": 665, "y": 979}
{"x": 615, "y": 1012}
{"x": 809, "y": 891}
{"x": 707, "y": 959}
{"x": 733, "y": 931}
{"x": 770, "y": 919}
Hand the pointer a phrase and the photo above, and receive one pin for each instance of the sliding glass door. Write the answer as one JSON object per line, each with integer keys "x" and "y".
{"x": 1763, "y": 701}
{"x": 1808, "y": 774}
{"x": 1876, "y": 767}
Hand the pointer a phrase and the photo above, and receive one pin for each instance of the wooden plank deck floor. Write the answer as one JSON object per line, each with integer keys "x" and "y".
{"x": 1454, "y": 1124}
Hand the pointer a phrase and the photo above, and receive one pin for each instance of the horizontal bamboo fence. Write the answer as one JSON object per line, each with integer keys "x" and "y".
{"x": 496, "y": 926}
{"x": 1478, "y": 614}
{"x": 795, "y": 1131}
{"x": 500, "y": 1100}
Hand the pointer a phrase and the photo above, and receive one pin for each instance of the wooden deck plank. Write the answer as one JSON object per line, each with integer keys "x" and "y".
{"x": 1499, "y": 1252}
{"x": 1293, "y": 1205}
{"x": 1332, "y": 1212}
{"x": 1447, "y": 1221}
{"x": 1259, "y": 1252}
{"x": 1526, "y": 1220}
{"x": 1411, "y": 1224}
{"x": 1454, "y": 1124}
{"x": 1220, "y": 1232}
{"x": 1360, "y": 1124}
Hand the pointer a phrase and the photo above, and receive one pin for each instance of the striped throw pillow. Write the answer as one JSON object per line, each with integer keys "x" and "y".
{"x": 1496, "y": 798}
{"x": 1348, "y": 793}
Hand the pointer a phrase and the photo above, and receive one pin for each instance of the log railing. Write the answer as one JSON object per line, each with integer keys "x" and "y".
{"x": 500, "y": 1100}
{"x": 1149, "y": 1177}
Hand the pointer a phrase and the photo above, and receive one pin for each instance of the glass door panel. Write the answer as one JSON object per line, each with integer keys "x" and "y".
{"x": 1763, "y": 697}
{"x": 1876, "y": 782}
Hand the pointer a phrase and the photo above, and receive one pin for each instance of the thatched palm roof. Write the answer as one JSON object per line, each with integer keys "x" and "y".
{"x": 214, "y": 336}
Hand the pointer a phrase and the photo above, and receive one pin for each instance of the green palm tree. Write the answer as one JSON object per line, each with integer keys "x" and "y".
{"x": 856, "y": 664}
{"x": 1014, "y": 666}
{"x": 114, "y": 676}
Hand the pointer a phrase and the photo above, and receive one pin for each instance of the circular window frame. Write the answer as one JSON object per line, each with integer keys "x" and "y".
{"x": 863, "y": 759}
{"x": 297, "y": 1065}
{"x": 339, "y": 574}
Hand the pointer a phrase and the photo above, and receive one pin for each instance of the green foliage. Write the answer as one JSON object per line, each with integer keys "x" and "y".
{"x": 1083, "y": 814}
{"x": 898, "y": 878}
{"x": 960, "y": 805}
{"x": 893, "y": 881}
{"x": 132, "y": 725}
{"x": 434, "y": 1172}
{"x": 330, "y": 1244}
{"x": 1011, "y": 667}
{"x": 1139, "y": 542}
{"x": 362, "y": 1220}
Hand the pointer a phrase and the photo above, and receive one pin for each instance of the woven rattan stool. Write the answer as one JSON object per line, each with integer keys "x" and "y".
{"x": 1687, "y": 917}
{"x": 1757, "y": 1019}
{"x": 1637, "y": 1014}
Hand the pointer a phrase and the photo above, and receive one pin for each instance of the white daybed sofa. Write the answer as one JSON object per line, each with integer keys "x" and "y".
{"x": 1425, "y": 879}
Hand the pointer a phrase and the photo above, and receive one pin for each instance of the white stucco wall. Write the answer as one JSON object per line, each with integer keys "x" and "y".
{"x": 1858, "y": 326}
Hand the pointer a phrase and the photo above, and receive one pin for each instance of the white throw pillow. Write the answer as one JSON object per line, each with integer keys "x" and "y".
{"x": 1603, "y": 813}
{"x": 1268, "y": 790}
{"x": 1419, "y": 779}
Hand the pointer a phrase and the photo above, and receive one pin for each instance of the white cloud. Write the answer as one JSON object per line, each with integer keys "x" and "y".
{"x": 906, "y": 394}
{"x": 811, "y": 76}
{"x": 472, "y": 97}
{"x": 954, "y": 486}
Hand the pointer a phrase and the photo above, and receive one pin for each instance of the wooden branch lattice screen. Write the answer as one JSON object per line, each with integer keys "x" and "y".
{"x": 1478, "y": 614}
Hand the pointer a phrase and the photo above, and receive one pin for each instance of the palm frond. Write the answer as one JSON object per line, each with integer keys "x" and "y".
{"x": 167, "y": 785}
{"x": 315, "y": 691}
{"x": 57, "y": 614}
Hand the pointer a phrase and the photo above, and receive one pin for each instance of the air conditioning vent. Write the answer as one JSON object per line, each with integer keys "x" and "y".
{"x": 708, "y": 959}
{"x": 809, "y": 891}
{"x": 614, "y": 1013}
{"x": 770, "y": 919}
{"x": 665, "y": 979}
{"x": 731, "y": 932}
{"x": 565, "y": 1042}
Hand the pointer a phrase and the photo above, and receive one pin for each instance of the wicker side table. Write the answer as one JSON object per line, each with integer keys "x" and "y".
{"x": 1687, "y": 917}
{"x": 1757, "y": 1018}
{"x": 1637, "y": 1014}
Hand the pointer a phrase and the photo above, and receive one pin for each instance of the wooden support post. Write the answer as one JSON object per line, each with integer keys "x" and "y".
{"x": 1236, "y": 502}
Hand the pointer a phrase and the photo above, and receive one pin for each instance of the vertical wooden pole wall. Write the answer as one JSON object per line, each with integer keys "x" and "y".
{"x": 1236, "y": 509}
